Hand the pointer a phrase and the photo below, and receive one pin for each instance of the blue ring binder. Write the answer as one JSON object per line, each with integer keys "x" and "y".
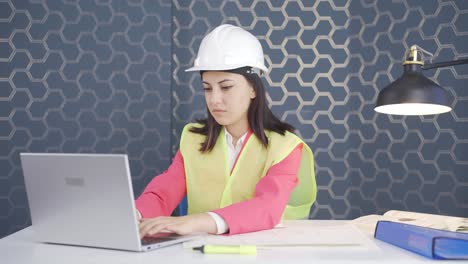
{"x": 429, "y": 242}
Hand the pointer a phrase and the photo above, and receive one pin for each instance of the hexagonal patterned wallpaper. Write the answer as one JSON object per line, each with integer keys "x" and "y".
{"x": 82, "y": 76}
{"x": 95, "y": 76}
{"x": 327, "y": 61}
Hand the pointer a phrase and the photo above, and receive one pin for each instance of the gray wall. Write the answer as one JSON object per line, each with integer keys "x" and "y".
{"x": 95, "y": 76}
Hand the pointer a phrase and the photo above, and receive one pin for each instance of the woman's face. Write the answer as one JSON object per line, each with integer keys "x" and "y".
{"x": 228, "y": 97}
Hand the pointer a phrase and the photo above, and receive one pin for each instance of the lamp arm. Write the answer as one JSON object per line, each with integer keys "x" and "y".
{"x": 444, "y": 64}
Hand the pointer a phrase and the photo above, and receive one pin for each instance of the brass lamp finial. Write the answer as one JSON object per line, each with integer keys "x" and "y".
{"x": 414, "y": 56}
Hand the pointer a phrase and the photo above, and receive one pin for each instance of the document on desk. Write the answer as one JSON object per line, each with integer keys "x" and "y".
{"x": 296, "y": 233}
{"x": 450, "y": 223}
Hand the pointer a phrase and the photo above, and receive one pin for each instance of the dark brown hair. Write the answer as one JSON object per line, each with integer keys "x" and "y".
{"x": 259, "y": 116}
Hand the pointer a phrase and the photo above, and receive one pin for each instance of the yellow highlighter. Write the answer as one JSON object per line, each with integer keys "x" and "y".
{"x": 227, "y": 249}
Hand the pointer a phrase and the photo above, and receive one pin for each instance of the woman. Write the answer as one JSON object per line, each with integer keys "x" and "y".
{"x": 240, "y": 167}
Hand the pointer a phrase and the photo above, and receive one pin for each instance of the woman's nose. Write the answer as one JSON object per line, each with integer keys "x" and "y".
{"x": 216, "y": 96}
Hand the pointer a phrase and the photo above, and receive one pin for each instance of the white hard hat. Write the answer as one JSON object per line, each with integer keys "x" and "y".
{"x": 229, "y": 47}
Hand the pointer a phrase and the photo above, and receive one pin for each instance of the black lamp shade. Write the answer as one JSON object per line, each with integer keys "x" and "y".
{"x": 412, "y": 94}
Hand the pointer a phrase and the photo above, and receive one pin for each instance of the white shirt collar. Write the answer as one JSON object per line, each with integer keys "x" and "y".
{"x": 240, "y": 141}
{"x": 233, "y": 151}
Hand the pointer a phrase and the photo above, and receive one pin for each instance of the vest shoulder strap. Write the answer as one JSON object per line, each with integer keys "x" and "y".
{"x": 287, "y": 142}
{"x": 189, "y": 139}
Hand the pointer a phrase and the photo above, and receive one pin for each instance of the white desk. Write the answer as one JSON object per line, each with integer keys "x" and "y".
{"x": 20, "y": 248}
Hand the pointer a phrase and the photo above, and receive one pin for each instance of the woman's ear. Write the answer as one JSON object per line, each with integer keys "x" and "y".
{"x": 253, "y": 94}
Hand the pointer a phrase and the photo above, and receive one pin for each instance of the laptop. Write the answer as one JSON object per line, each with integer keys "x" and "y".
{"x": 86, "y": 200}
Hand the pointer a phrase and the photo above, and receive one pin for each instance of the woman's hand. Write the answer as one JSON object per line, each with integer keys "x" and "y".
{"x": 181, "y": 225}
{"x": 137, "y": 215}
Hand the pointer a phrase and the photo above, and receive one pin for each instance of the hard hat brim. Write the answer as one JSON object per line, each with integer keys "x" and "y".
{"x": 223, "y": 68}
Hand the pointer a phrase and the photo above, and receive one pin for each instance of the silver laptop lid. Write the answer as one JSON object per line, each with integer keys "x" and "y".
{"x": 81, "y": 199}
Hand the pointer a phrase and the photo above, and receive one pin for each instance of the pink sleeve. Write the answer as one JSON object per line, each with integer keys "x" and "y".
{"x": 272, "y": 193}
{"x": 162, "y": 195}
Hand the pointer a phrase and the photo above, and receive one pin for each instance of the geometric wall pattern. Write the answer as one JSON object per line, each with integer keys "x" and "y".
{"x": 327, "y": 62}
{"x": 108, "y": 77}
{"x": 82, "y": 76}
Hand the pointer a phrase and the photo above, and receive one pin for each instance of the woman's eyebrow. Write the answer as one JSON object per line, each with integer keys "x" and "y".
{"x": 220, "y": 82}
{"x": 225, "y": 80}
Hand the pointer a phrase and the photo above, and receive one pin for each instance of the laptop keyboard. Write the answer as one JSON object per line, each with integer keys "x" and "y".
{"x": 159, "y": 238}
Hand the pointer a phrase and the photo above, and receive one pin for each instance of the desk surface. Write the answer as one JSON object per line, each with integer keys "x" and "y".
{"x": 20, "y": 248}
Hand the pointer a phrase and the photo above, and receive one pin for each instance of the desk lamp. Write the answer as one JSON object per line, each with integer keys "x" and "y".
{"x": 413, "y": 93}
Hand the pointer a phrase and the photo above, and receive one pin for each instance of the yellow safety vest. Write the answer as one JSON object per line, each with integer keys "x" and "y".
{"x": 210, "y": 184}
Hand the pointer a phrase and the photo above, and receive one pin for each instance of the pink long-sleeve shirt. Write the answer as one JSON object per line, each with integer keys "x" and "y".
{"x": 263, "y": 211}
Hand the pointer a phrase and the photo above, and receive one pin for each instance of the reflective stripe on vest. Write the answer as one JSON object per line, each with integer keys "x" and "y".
{"x": 210, "y": 185}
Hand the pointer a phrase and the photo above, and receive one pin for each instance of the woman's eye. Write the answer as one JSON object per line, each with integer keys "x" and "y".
{"x": 226, "y": 87}
{"x": 206, "y": 89}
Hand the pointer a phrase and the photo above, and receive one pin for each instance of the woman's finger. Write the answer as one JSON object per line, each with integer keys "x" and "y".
{"x": 146, "y": 225}
{"x": 149, "y": 221}
{"x": 154, "y": 226}
{"x": 159, "y": 228}
{"x": 181, "y": 227}
{"x": 149, "y": 226}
